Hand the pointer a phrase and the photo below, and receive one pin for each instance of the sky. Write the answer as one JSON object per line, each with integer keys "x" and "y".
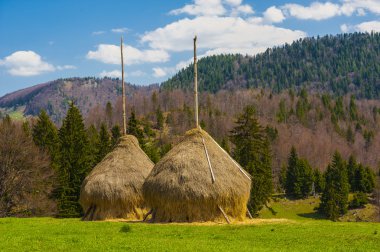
{"x": 43, "y": 40}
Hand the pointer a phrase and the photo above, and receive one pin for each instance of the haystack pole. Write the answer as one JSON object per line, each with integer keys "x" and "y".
{"x": 123, "y": 88}
{"x": 196, "y": 82}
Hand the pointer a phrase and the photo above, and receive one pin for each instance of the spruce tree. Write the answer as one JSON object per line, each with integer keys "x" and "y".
{"x": 104, "y": 142}
{"x": 334, "y": 200}
{"x": 75, "y": 162}
{"x": 252, "y": 151}
{"x": 160, "y": 118}
{"x": 115, "y": 135}
{"x": 134, "y": 128}
{"x": 93, "y": 139}
{"x": 319, "y": 181}
{"x": 45, "y": 136}
{"x": 291, "y": 172}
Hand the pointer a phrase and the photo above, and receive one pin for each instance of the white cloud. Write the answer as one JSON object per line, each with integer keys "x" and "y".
{"x": 98, "y": 33}
{"x": 26, "y": 63}
{"x": 273, "y": 15}
{"x": 120, "y": 30}
{"x": 66, "y": 67}
{"x": 202, "y": 8}
{"x": 242, "y": 9}
{"x": 345, "y": 28}
{"x": 222, "y": 34}
{"x": 110, "y": 54}
{"x": 233, "y": 2}
{"x": 368, "y": 26}
{"x": 214, "y": 8}
{"x": 362, "y": 27}
{"x": 360, "y": 6}
{"x": 316, "y": 11}
{"x": 159, "y": 72}
{"x": 111, "y": 74}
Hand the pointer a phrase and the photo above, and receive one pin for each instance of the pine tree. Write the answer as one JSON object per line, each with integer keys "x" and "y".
{"x": 75, "y": 162}
{"x": 109, "y": 114}
{"x": 93, "y": 139}
{"x": 252, "y": 151}
{"x": 334, "y": 200}
{"x": 160, "y": 118}
{"x": 45, "y": 136}
{"x": 115, "y": 135}
{"x": 291, "y": 172}
{"x": 353, "y": 109}
{"x": 134, "y": 128}
{"x": 319, "y": 181}
{"x": 104, "y": 142}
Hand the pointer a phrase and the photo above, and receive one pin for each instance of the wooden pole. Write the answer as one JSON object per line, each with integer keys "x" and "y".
{"x": 196, "y": 82}
{"x": 123, "y": 88}
{"x": 224, "y": 215}
{"x": 208, "y": 160}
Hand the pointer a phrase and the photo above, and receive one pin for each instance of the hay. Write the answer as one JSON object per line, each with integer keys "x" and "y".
{"x": 180, "y": 187}
{"x": 114, "y": 186}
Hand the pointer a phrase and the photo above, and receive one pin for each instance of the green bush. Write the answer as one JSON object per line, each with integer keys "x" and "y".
{"x": 359, "y": 201}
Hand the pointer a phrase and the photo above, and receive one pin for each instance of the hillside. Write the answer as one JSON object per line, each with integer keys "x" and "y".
{"x": 337, "y": 64}
{"x": 54, "y": 96}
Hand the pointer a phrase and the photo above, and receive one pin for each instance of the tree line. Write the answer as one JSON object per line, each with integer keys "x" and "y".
{"x": 338, "y": 64}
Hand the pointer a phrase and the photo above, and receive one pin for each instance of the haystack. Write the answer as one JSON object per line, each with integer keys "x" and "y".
{"x": 113, "y": 189}
{"x": 197, "y": 181}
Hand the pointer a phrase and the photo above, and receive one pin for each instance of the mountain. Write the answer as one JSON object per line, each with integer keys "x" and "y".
{"x": 346, "y": 63}
{"x": 54, "y": 96}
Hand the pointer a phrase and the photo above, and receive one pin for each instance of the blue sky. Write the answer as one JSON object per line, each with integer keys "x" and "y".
{"x": 42, "y": 40}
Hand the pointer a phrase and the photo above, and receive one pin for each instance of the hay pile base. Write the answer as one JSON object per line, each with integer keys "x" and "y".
{"x": 113, "y": 189}
{"x": 180, "y": 186}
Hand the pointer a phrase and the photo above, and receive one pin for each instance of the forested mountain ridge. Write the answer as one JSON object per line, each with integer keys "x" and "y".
{"x": 345, "y": 63}
{"x": 54, "y": 96}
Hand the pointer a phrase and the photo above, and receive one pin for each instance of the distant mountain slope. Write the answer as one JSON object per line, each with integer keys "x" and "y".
{"x": 339, "y": 64}
{"x": 54, "y": 96}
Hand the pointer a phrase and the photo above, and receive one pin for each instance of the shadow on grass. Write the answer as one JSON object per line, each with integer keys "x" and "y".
{"x": 315, "y": 216}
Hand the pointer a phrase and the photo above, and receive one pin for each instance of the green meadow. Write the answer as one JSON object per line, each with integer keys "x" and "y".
{"x": 307, "y": 234}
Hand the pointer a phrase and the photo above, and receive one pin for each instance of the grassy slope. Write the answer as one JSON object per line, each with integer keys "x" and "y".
{"x": 48, "y": 234}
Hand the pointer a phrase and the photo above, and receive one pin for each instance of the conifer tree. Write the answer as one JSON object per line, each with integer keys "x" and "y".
{"x": 45, "y": 136}
{"x": 104, "y": 142}
{"x": 75, "y": 162}
{"x": 115, "y": 135}
{"x": 134, "y": 128}
{"x": 319, "y": 181}
{"x": 252, "y": 151}
{"x": 334, "y": 200}
{"x": 109, "y": 114}
{"x": 160, "y": 118}
{"x": 291, "y": 172}
{"x": 93, "y": 139}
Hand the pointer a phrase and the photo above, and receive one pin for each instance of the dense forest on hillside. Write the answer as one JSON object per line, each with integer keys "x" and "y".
{"x": 337, "y": 64}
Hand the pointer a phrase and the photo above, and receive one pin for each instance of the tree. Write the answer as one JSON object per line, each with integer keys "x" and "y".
{"x": 299, "y": 176}
{"x": 252, "y": 151}
{"x": 45, "y": 136}
{"x": 353, "y": 109}
{"x": 334, "y": 200}
{"x": 160, "y": 118}
{"x": 134, "y": 128}
{"x": 104, "y": 142}
{"x": 115, "y": 135}
{"x": 75, "y": 162}
{"x": 25, "y": 175}
{"x": 319, "y": 181}
{"x": 109, "y": 114}
{"x": 93, "y": 139}
{"x": 291, "y": 172}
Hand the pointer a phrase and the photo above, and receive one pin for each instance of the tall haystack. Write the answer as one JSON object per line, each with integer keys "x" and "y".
{"x": 197, "y": 181}
{"x": 113, "y": 189}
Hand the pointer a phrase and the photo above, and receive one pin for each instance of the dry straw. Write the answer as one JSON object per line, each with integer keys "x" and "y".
{"x": 113, "y": 189}
{"x": 180, "y": 187}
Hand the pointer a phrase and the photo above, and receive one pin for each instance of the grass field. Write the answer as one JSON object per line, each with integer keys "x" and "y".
{"x": 295, "y": 227}
{"x": 49, "y": 234}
